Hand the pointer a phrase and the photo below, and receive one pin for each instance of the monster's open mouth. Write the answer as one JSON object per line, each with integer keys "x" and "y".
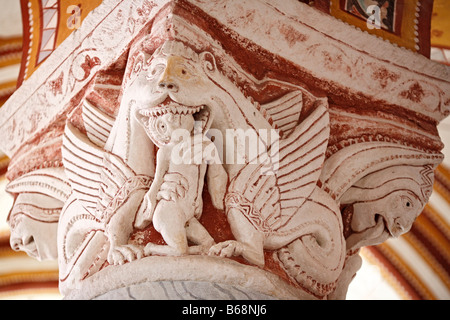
{"x": 170, "y": 107}
{"x": 381, "y": 225}
{"x": 201, "y": 113}
{"x": 370, "y": 236}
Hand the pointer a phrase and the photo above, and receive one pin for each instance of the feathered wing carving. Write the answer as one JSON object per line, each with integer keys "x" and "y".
{"x": 83, "y": 162}
{"x": 285, "y": 112}
{"x": 53, "y": 180}
{"x": 99, "y": 179}
{"x": 285, "y": 210}
{"x": 97, "y": 123}
{"x": 273, "y": 202}
{"x": 101, "y": 183}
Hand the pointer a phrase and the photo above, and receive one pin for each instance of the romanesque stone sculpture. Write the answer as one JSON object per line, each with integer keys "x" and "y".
{"x": 217, "y": 162}
{"x": 40, "y": 196}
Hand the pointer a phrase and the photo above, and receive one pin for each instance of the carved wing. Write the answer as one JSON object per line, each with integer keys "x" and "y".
{"x": 116, "y": 176}
{"x": 97, "y": 123}
{"x": 285, "y": 112}
{"x": 96, "y": 176}
{"x": 271, "y": 202}
{"x": 51, "y": 181}
{"x": 301, "y": 158}
{"x": 83, "y": 161}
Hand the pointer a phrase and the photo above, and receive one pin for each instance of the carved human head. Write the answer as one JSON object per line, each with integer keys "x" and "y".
{"x": 33, "y": 219}
{"x": 387, "y": 202}
{"x": 166, "y": 124}
{"x": 33, "y": 227}
{"x": 160, "y": 127}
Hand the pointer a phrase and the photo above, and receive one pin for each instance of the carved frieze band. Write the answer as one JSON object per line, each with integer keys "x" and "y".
{"x": 211, "y": 149}
{"x": 294, "y": 32}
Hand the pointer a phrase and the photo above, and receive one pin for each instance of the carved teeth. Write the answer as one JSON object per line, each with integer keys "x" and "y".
{"x": 174, "y": 109}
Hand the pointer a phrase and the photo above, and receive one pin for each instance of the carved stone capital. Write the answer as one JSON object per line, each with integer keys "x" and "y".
{"x": 247, "y": 147}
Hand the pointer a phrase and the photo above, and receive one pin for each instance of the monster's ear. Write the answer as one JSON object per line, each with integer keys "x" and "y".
{"x": 208, "y": 62}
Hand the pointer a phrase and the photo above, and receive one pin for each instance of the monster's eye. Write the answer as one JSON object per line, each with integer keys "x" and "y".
{"x": 184, "y": 70}
{"x": 162, "y": 127}
{"x": 407, "y": 202}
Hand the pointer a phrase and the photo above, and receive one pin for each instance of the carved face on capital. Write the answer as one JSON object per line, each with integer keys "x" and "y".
{"x": 172, "y": 91}
{"x": 34, "y": 229}
{"x": 386, "y": 203}
{"x": 33, "y": 219}
{"x": 397, "y": 211}
{"x": 173, "y": 73}
{"x": 161, "y": 128}
{"x": 170, "y": 122}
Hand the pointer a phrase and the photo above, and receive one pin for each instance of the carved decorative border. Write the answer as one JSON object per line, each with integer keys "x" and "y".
{"x": 324, "y": 48}
{"x": 71, "y": 67}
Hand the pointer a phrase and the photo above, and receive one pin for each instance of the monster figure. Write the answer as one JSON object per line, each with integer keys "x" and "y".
{"x": 174, "y": 202}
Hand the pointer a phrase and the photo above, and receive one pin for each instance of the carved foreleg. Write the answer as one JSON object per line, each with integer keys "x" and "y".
{"x": 249, "y": 242}
{"x": 145, "y": 213}
{"x": 119, "y": 229}
{"x": 197, "y": 234}
{"x": 217, "y": 179}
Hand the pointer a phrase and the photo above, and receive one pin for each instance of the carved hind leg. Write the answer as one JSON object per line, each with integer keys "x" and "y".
{"x": 197, "y": 234}
{"x": 169, "y": 220}
{"x": 249, "y": 241}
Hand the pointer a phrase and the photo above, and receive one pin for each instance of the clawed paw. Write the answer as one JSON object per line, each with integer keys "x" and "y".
{"x": 226, "y": 249}
{"x": 120, "y": 254}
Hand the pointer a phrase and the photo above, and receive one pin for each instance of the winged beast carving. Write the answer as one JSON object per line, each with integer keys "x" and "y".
{"x": 272, "y": 199}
